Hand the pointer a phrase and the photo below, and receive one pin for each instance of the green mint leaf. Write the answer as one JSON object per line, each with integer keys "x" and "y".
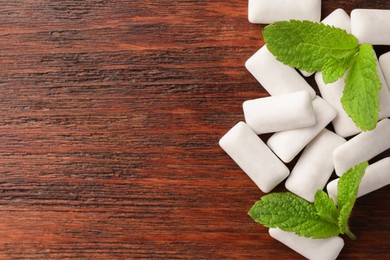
{"x": 362, "y": 85}
{"x": 334, "y": 69}
{"x": 325, "y": 207}
{"x": 312, "y": 47}
{"x": 347, "y": 190}
{"x": 293, "y": 214}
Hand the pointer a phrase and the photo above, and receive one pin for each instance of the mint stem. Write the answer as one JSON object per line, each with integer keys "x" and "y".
{"x": 349, "y": 233}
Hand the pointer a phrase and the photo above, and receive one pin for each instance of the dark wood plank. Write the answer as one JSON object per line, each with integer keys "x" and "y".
{"x": 110, "y": 115}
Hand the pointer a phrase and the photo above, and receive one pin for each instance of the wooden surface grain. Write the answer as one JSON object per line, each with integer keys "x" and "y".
{"x": 110, "y": 116}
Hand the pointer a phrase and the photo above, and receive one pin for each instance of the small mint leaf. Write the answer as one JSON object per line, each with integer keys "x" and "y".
{"x": 347, "y": 190}
{"x": 334, "y": 69}
{"x": 325, "y": 207}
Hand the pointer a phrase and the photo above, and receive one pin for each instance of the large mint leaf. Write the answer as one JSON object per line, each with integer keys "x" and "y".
{"x": 362, "y": 85}
{"x": 293, "y": 214}
{"x": 312, "y": 47}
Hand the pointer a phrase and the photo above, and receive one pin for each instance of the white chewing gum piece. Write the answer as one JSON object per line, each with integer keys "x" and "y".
{"x": 269, "y": 11}
{"x": 331, "y": 188}
{"x": 339, "y": 19}
{"x": 287, "y": 144}
{"x": 332, "y": 93}
{"x": 384, "y": 61}
{"x": 371, "y": 26}
{"x": 253, "y": 157}
{"x": 276, "y": 77}
{"x": 362, "y": 147}
{"x": 377, "y": 176}
{"x": 384, "y": 95}
{"x": 315, "y": 166}
{"x": 305, "y": 73}
{"x": 279, "y": 113}
{"x": 315, "y": 249}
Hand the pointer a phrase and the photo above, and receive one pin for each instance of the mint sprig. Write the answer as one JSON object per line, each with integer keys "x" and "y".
{"x": 312, "y": 47}
{"x": 322, "y": 219}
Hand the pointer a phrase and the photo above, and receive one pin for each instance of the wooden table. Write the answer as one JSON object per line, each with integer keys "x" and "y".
{"x": 110, "y": 117}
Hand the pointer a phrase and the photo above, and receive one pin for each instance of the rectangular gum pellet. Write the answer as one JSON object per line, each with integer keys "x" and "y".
{"x": 338, "y": 18}
{"x": 276, "y": 77}
{"x": 362, "y": 147}
{"x": 377, "y": 175}
{"x": 253, "y": 157}
{"x": 384, "y": 61}
{"x": 315, "y": 166}
{"x": 279, "y": 113}
{"x": 332, "y": 93}
{"x": 268, "y": 11}
{"x": 287, "y": 144}
{"x": 371, "y": 26}
{"x": 318, "y": 249}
